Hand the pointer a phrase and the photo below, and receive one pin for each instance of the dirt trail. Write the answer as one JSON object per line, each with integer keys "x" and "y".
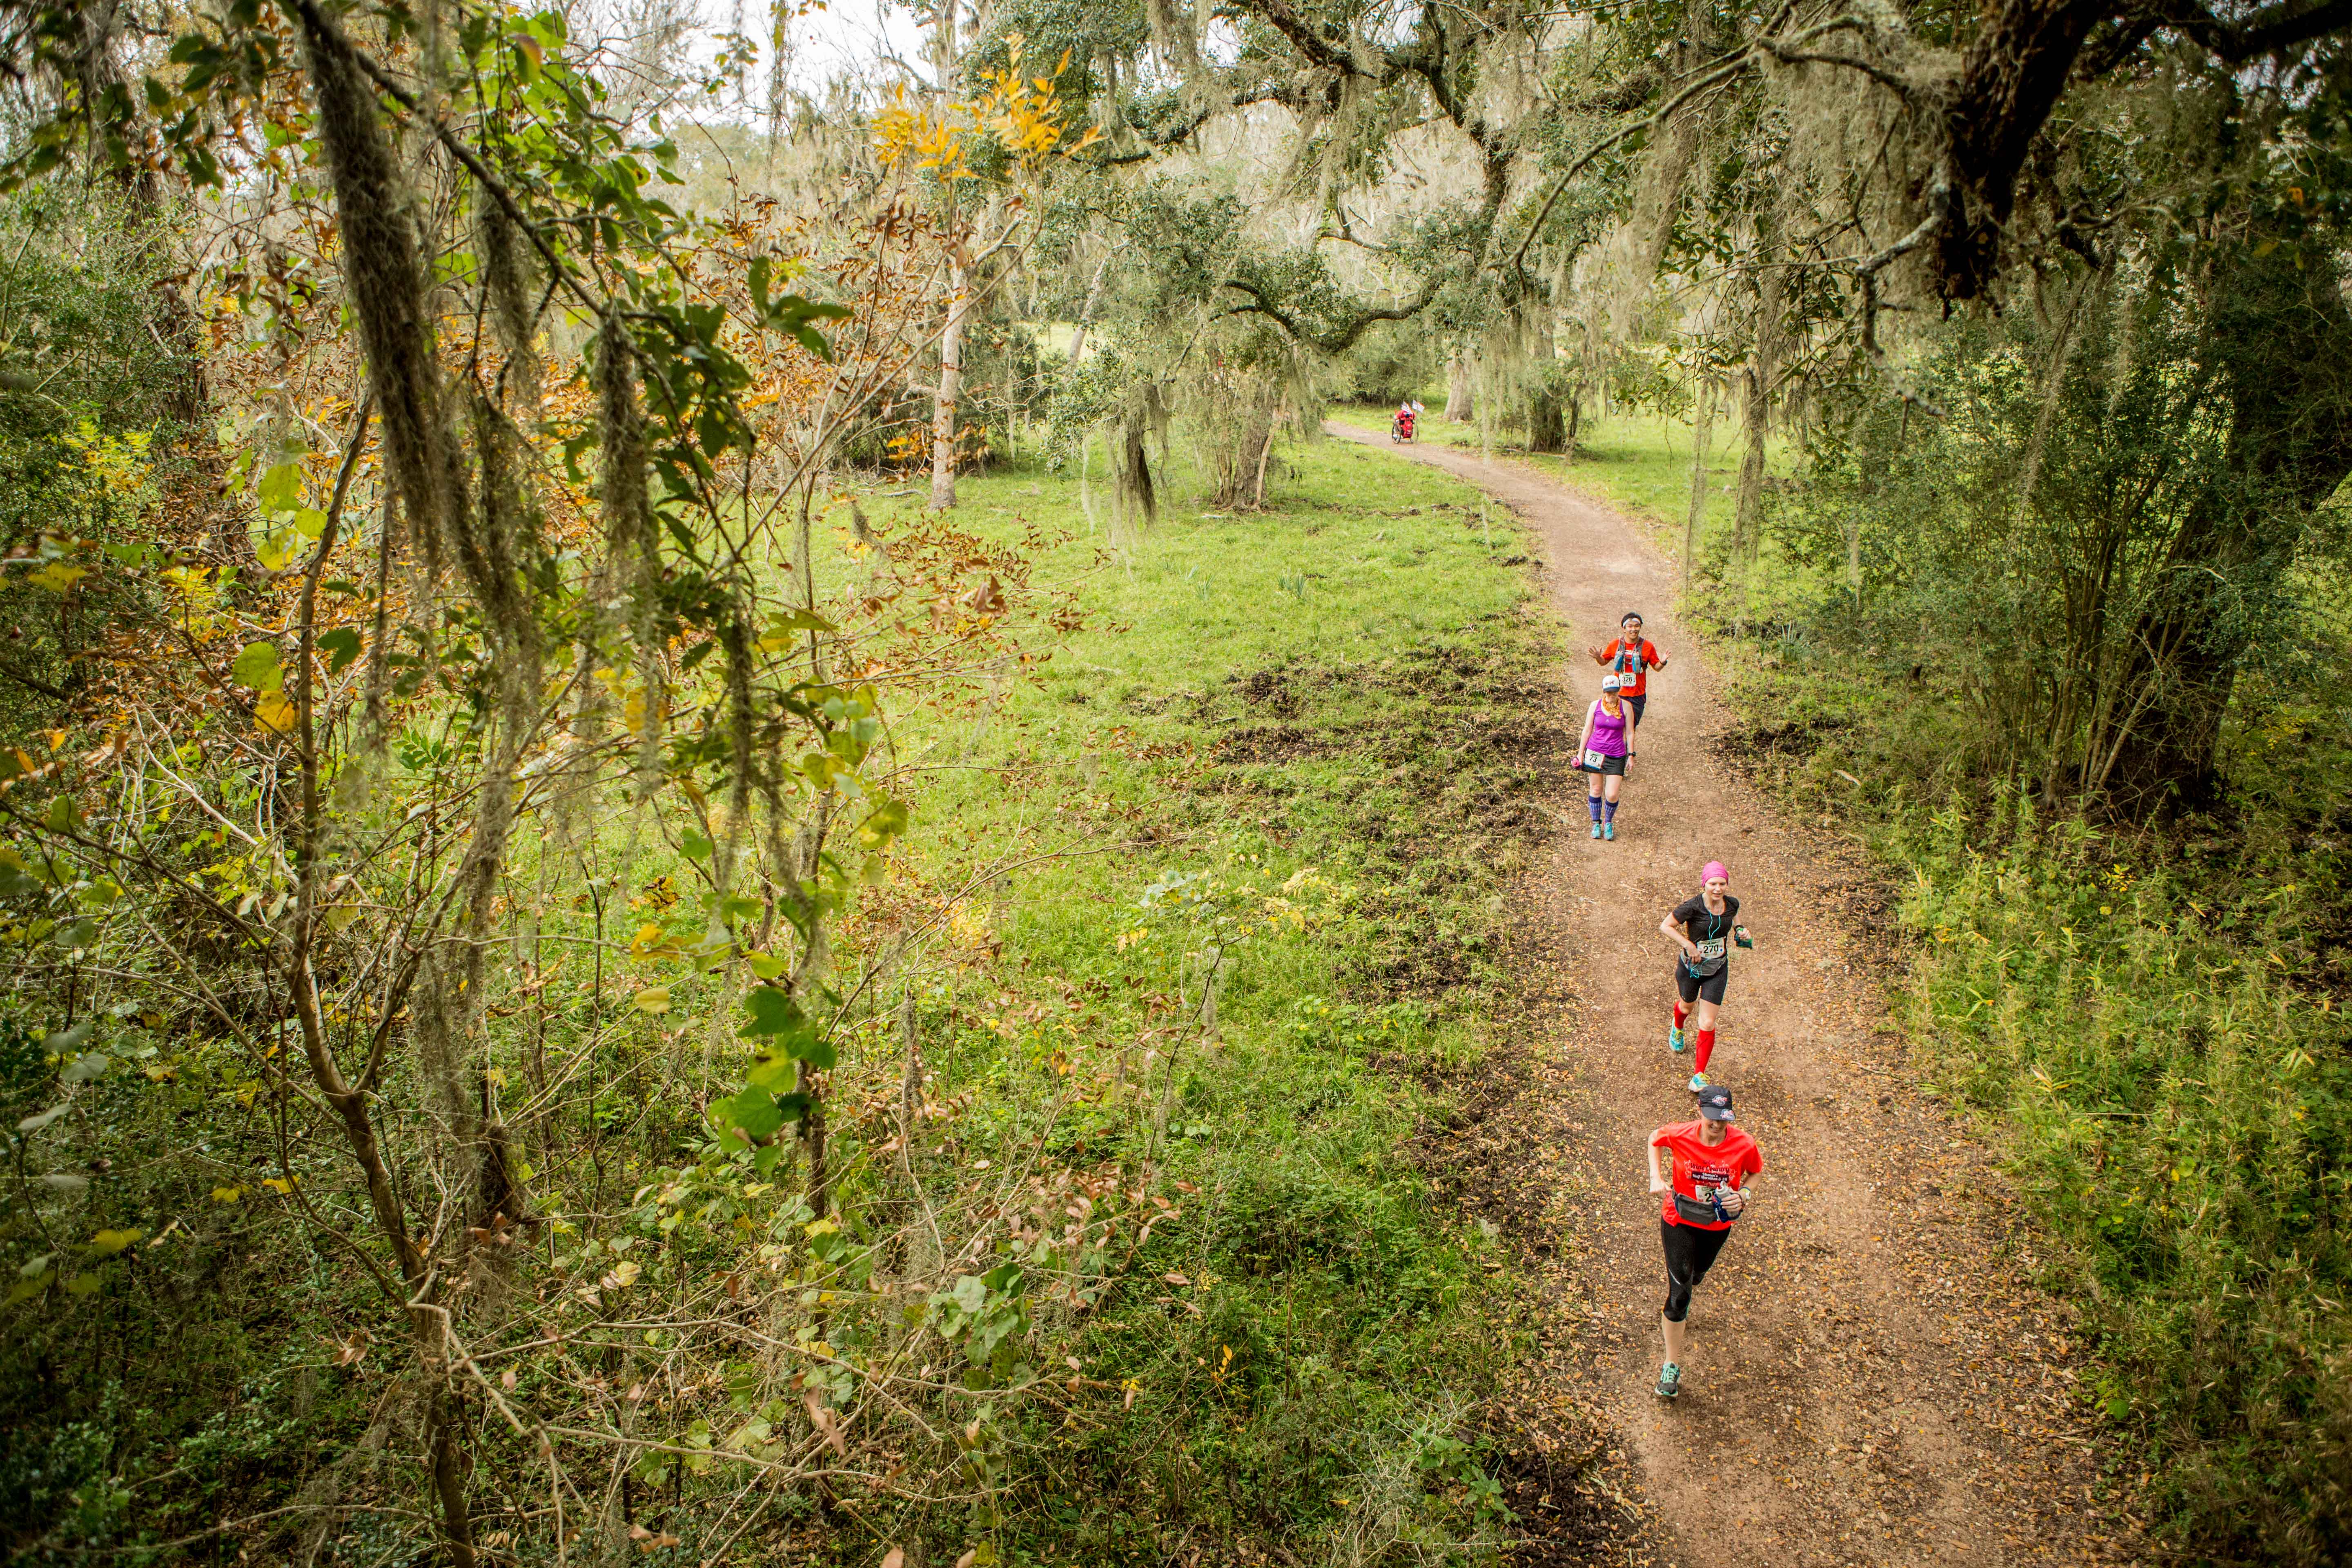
{"x": 1871, "y": 1376}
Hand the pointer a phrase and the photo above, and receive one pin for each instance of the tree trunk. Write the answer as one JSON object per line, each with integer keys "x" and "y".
{"x": 1546, "y": 429}
{"x": 1086, "y": 311}
{"x": 945, "y": 406}
{"x": 1700, "y": 416}
{"x": 2281, "y": 338}
{"x": 1461, "y": 402}
{"x": 945, "y": 410}
{"x": 1747, "y": 523}
{"x": 2010, "y": 80}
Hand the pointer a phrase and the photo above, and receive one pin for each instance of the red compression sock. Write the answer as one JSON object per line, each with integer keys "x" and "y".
{"x": 1681, "y": 1012}
{"x": 1705, "y": 1047}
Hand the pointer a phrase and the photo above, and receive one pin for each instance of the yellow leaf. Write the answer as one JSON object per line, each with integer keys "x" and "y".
{"x": 274, "y": 712}
{"x": 653, "y": 999}
{"x": 107, "y": 1243}
{"x": 228, "y": 1194}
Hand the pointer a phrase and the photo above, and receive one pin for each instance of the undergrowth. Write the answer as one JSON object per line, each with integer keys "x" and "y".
{"x": 2152, "y": 1025}
{"x": 1221, "y": 870}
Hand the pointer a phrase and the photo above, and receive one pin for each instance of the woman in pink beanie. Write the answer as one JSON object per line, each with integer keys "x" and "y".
{"x": 1704, "y": 928}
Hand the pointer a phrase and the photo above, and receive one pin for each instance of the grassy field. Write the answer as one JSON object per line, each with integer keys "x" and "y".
{"x": 1217, "y": 865}
{"x": 1258, "y": 703}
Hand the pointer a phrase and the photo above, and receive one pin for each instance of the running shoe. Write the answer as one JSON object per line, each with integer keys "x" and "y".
{"x": 1670, "y": 1381}
{"x": 1697, "y": 1082}
{"x": 1676, "y": 1041}
{"x": 1596, "y": 830}
{"x": 1609, "y": 831}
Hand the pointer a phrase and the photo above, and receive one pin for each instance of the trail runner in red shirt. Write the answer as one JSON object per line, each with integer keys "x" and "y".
{"x": 1711, "y": 1161}
{"x": 1630, "y": 660}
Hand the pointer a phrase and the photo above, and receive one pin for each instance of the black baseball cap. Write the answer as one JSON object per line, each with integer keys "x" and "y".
{"x": 1714, "y": 1103}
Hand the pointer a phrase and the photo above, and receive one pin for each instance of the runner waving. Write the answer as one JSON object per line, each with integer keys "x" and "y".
{"x": 1603, "y": 752}
{"x": 1711, "y": 1159}
{"x": 1704, "y": 928}
{"x": 1630, "y": 660}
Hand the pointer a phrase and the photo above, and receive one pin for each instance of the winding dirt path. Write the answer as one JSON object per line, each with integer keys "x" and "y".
{"x": 1871, "y": 1376}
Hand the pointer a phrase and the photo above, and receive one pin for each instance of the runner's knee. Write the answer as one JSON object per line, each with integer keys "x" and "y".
{"x": 1679, "y": 1295}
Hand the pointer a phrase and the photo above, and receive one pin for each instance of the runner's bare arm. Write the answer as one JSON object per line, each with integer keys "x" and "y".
{"x": 1673, "y": 932}
{"x": 1657, "y": 1180}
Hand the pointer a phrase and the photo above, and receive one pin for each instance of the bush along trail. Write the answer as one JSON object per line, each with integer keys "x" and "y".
{"x": 1871, "y": 1375}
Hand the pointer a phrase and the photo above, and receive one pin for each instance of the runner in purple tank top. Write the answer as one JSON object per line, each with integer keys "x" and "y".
{"x": 1603, "y": 753}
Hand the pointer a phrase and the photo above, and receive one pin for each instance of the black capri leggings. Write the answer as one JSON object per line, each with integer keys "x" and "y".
{"x": 1690, "y": 1253}
{"x": 1700, "y": 988}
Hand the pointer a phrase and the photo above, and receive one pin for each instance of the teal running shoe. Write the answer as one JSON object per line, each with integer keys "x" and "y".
{"x": 1670, "y": 1381}
{"x": 1596, "y": 830}
{"x": 1697, "y": 1082}
{"x": 1609, "y": 831}
{"x": 1676, "y": 1041}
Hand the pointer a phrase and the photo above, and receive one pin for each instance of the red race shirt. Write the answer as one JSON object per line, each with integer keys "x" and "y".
{"x": 1642, "y": 657}
{"x": 1697, "y": 1164}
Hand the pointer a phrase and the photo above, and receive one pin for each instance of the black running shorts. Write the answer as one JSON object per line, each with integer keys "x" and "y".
{"x": 1700, "y": 988}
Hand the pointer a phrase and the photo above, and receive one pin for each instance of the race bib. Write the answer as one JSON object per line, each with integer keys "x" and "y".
{"x": 1710, "y": 949}
{"x": 1593, "y": 763}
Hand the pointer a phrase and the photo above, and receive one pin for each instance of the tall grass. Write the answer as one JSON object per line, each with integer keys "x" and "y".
{"x": 2175, "y": 1106}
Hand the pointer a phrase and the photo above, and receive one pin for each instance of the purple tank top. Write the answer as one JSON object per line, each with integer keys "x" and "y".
{"x": 1609, "y": 733}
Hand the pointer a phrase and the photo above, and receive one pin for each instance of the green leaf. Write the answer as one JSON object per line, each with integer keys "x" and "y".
{"x": 107, "y": 1243}
{"x": 257, "y": 665}
{"x": 774, "y": 1014}
{"x": 886, "y": 822}
{"x": 754, "y": 1112}
{"x": 82, "y": 1285}
{"x": 281, "y": 489}
{"x": 340, "y": 646}
{"x": 774, "y": 1074}
{"x": 34, "y": 1123}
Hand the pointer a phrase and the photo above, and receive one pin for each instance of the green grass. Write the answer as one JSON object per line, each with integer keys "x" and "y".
{"x": 1298, "y": 738}
{"x": 1264, "y": 695}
